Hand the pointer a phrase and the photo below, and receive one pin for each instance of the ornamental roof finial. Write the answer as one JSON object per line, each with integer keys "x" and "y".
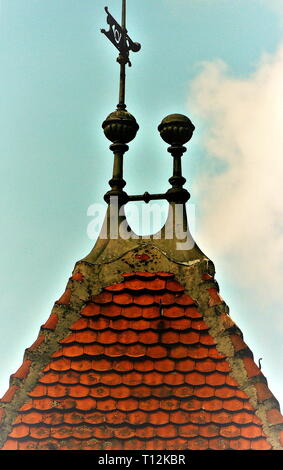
{"x": 118, "y": 35}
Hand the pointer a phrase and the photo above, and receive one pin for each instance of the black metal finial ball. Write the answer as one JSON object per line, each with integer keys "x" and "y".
{"x": 120, "y": 126}
{"x": 176, "y": 129}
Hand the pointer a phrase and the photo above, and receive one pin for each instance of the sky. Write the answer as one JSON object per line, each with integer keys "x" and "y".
{"x": 218, "y": 61}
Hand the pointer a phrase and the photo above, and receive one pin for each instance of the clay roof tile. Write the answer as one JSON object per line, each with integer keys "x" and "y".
{"x": 139, "y": 368}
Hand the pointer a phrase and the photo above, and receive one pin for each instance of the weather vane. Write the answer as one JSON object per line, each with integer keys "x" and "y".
{"x": 118, "y": 35}
{"x": 120, "y": 127}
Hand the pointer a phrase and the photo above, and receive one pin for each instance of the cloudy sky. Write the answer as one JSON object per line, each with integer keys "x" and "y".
{"x": 218, "y": 61}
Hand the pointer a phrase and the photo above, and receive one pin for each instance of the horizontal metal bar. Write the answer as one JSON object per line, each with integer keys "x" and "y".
{"x": 146, "y": 197}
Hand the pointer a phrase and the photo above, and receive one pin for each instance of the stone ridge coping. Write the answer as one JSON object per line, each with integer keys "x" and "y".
{"x": 198, "y": 279}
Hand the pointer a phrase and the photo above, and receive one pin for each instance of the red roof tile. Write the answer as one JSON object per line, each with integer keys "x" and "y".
{"x": 90, "y": 310}
{"x": 77, "y": 277}
{"x": 260, "y": 444}
{"x": 10, "y": 445}
{"x": 37, "y": 343}
{"x": 251, "y": 368}
{"x": 274, "y": 416}
{"x": 2, "y": 414}
{"x": 9, "y": 395}
{"x": 51, "y": 322}
{"x": 115, "y": 287}
{"x": 22, "y": 430}
{"x": 139, "y": 370}
{"x": 263, "y": 392}
{"x": 65, "y": 298}
{"x": 23, "y": 371}
{"x": 103, "y": 298}
{"x": 215, "y": 298}
{"x": 174, "y": 286}
{"x": 238, "y": 343}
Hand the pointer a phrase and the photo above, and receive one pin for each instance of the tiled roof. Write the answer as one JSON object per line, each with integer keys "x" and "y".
{"x": 141, "y": 369}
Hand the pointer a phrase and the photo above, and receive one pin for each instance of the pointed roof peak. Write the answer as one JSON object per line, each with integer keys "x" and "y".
{"x": 137, "y": 359}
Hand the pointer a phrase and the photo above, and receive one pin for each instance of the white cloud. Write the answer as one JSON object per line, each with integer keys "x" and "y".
{"x": 241, "y": 208}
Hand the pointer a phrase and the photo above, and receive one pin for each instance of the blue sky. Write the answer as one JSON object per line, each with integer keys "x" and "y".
{"x": 59, "y": 80}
